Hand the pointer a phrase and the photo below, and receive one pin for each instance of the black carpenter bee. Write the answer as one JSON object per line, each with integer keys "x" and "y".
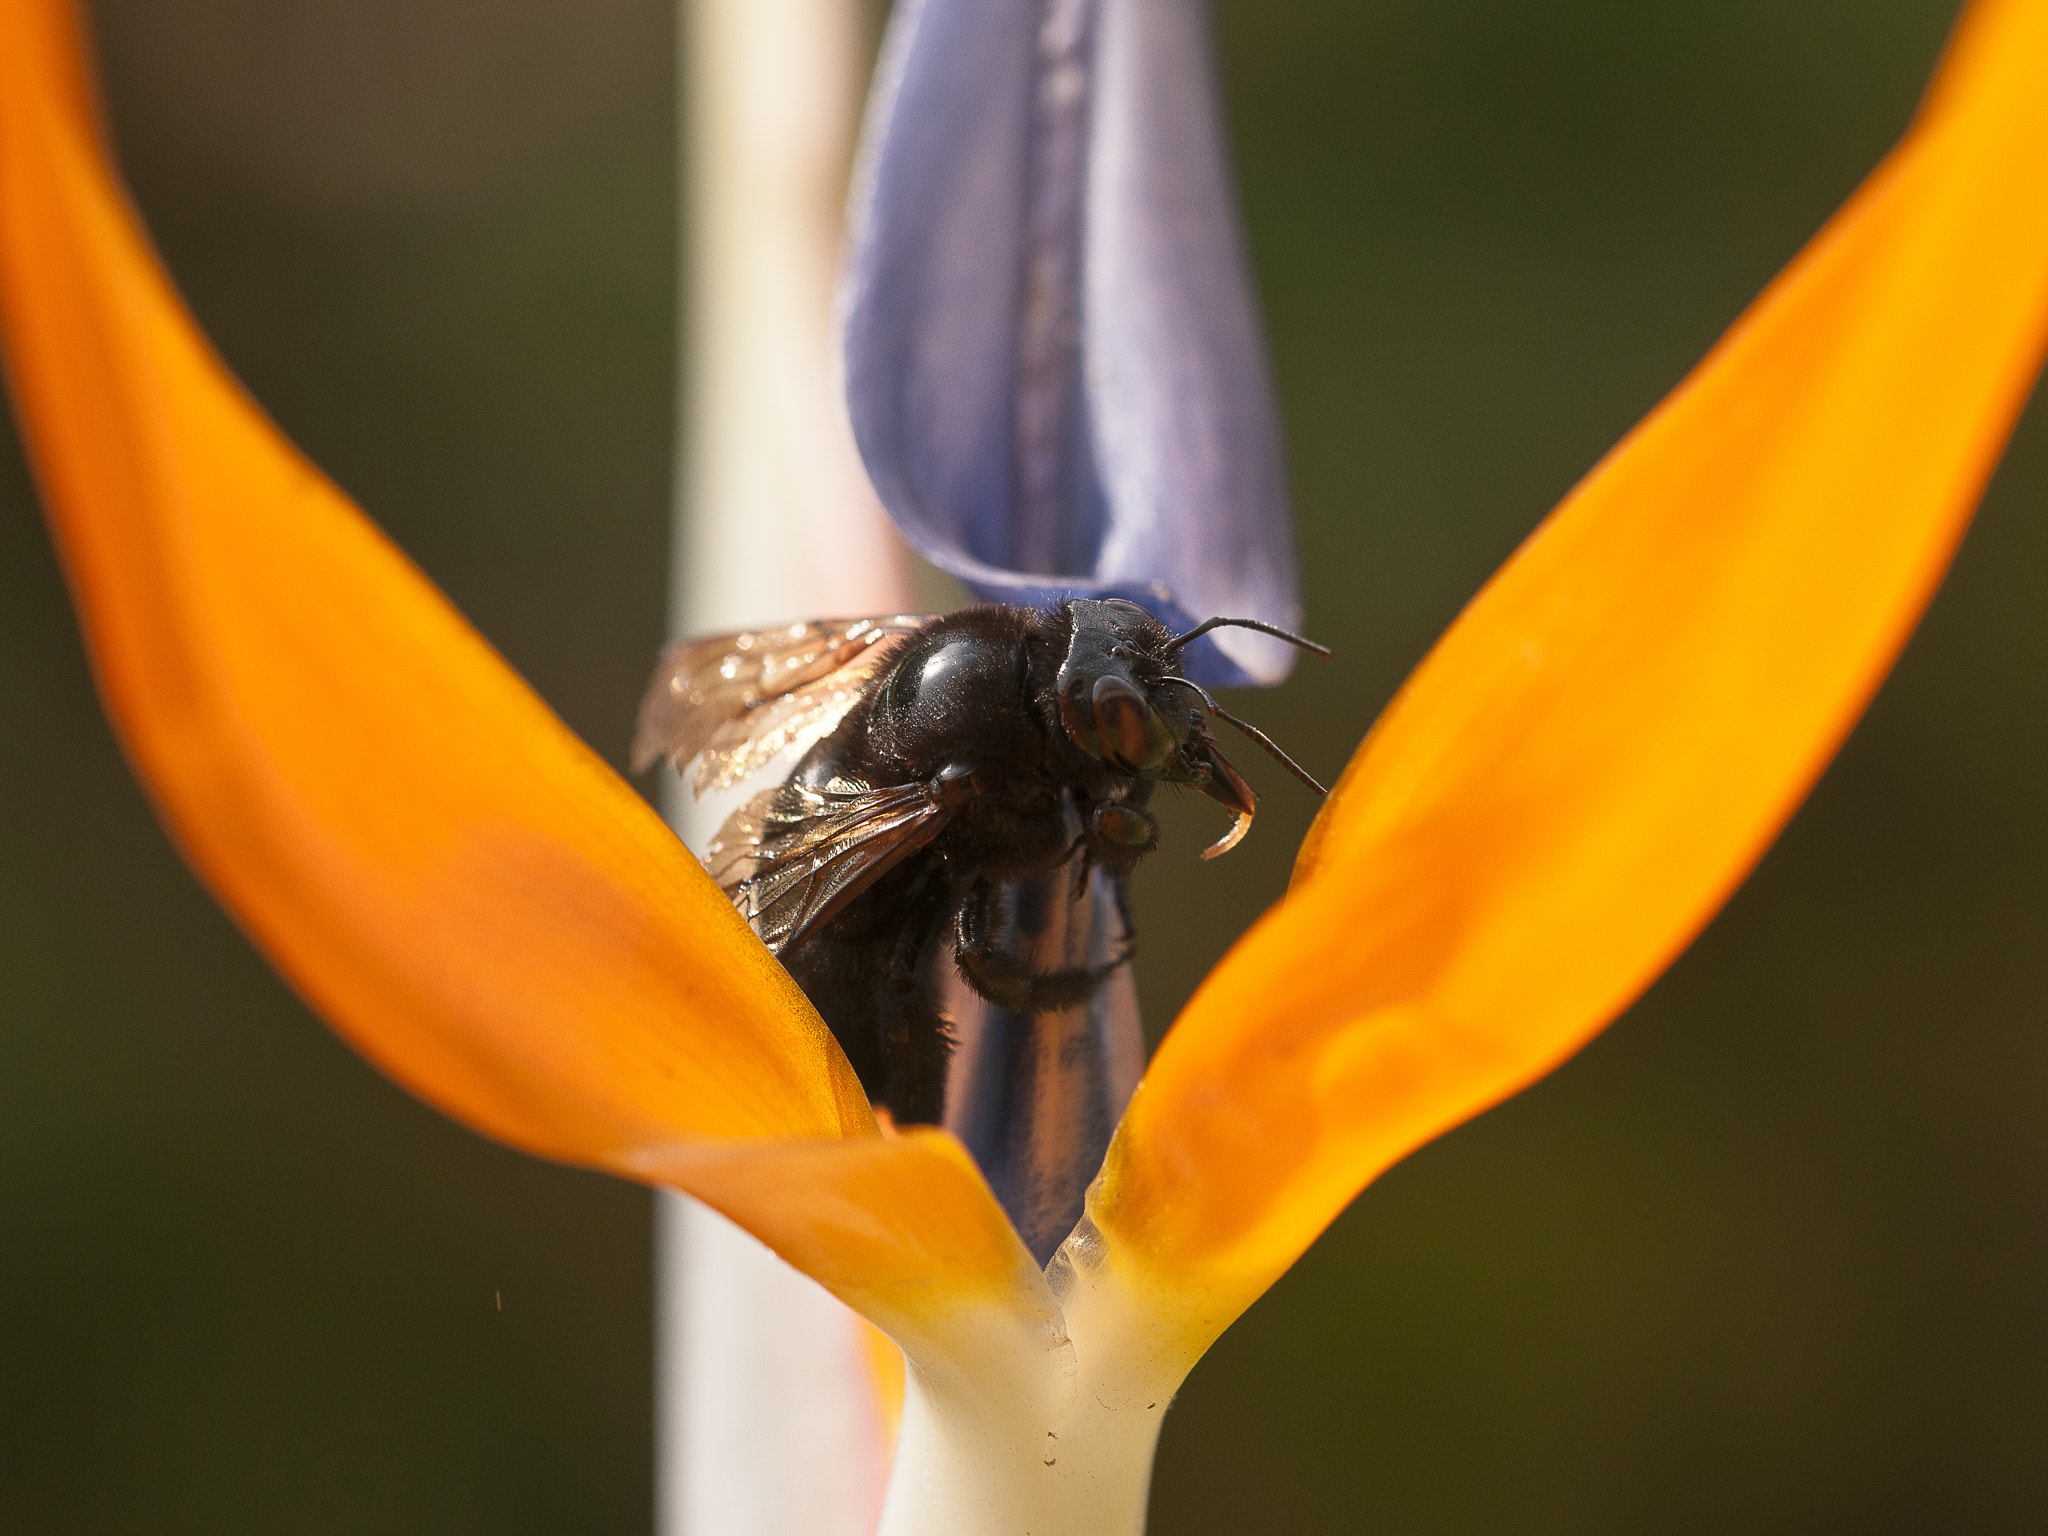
{"x": 947, "y": 757}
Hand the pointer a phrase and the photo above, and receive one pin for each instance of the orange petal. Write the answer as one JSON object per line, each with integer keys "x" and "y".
{"x": 1609, "y": 737}
{"x": 444, "y": 871}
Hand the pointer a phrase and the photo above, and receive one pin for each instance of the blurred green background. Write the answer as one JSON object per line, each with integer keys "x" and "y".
{"x": 1772, "y": 1254}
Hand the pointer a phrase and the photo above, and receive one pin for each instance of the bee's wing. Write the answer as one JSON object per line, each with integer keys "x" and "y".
{"x": 749, "y": 698}
{"x": 794, "y": 855}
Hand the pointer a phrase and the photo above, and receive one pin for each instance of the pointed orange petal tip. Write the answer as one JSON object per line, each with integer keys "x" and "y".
{"x": 446, "y": 873}
{"x": 1610, "y": 735}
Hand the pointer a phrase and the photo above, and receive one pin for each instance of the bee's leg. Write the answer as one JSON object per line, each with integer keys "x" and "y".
{"x": 839, "y": 975}
{"x": 1122, "y": 888}
{"x": 861, "y": 972}
{"x": 914, "y": 1044}
{"x": 1082, "y": 857}
{"x": 916, "y": 1049}
{"x": 976, "y": 953}
{"x": 912, "y": 937}
{"x": 1007, "y": 980}
{"x": 1119, "y": 834}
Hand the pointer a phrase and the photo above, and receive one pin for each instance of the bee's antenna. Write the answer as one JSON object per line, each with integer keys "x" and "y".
{"x": 1187, "y": 683}
{"x": 1260, "y": 625}
{"x": 1271, "y": 746}
{"x": 1254, "y": 732}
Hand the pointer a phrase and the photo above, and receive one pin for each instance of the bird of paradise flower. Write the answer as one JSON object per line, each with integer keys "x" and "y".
{"x": 1568, "y": 787}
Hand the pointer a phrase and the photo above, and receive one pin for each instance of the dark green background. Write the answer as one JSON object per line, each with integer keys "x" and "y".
{"x": 1771, "y": 1255}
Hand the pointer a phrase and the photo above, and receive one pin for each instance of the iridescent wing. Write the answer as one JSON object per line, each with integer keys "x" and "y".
{"x": 742, "y": 701}
{"x": 794, "y": 855}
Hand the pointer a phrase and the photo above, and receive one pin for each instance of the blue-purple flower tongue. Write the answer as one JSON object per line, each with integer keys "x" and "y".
{"x": 1054, "y": 362}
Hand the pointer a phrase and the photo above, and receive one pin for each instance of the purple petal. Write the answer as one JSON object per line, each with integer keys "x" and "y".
{"x": 1054, "y": 362}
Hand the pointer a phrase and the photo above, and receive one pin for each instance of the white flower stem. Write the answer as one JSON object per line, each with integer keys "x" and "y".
{"x": 767, "y": 1418}
{"x": 771, "y": 1389}
{"x": 775, "y": 518}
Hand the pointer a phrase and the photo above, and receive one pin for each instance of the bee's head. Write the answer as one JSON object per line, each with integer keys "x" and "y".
{"x": 1123, "y": 701}
{"x": 1113, "y": 703}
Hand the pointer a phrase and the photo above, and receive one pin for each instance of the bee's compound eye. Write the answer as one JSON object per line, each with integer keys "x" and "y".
{"x": 1132, "y": 732}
